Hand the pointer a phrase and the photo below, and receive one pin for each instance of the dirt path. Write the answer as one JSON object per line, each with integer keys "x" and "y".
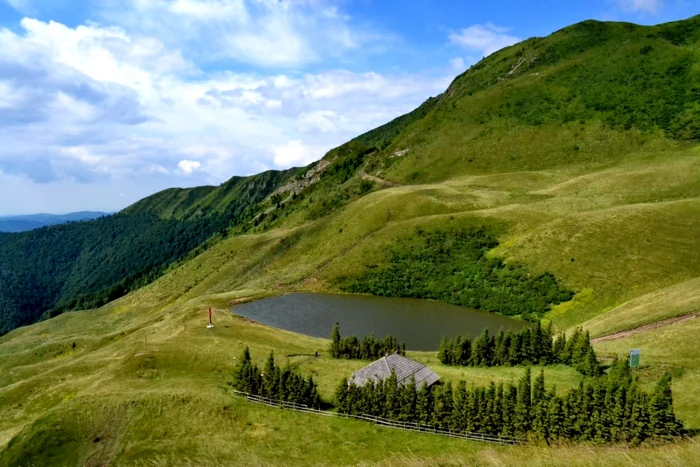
{"x": 364, "y": 175}
{"x": 646, "y": 327}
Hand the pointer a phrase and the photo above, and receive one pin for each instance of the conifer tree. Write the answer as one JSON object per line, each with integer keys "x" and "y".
{"x": 639, "y": 416}
{"x": 466, "y": 351}
{"x": 521, "y": 420}
{"x": 443, "y": 353}
{"x": 538, "y": 389}
{"x": 391, "y": 394}
{"x": 570, "y": 345}
{"x": 408, "y": 397}
{"x": 558, "y": 350}
{"x": 538, "y": 408}
{"x": 424, "y": 405}
{"x": 481, "y": 350}
{"x": 662, "y": 420}
{"x": 510, "y": 397}
{"x": 500, "y": 352}
{"x": 459, "y": 409}
{"x": 241, "y": 374}
{"x": 269, "y": 389}
{"x": 442, "y": 412}
{"x": 335, "y": 341}
{"x": 556, "y": 419}
{"x": 515, "y": 350}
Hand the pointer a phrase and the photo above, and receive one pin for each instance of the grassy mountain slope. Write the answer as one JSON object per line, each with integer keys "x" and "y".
{"x": 607, "y": 200}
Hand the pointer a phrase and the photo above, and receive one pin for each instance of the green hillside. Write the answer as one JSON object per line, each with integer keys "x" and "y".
{"x": 576, "y": 159}
{"x": 82, "y": 265}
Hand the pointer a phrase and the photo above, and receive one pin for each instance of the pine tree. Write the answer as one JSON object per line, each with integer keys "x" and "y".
{"x": 546, "y": 345}
{"x": 481, "y": 354}
{"x": 639, "y": 416}
{"x": 408, "y": 396}
{"x": 459, "y": 410}
{"x": 443, "y": 406}
{"x": 538, "y": 389}
{"x": 510, "y": 397}
{"x": 525, "y": 347}
{"x": 538, "y": 408}
{"x": 443, "y": 354}
{"x": 456, "y": 350}
{"x": 269, "y": 389}
{"x": 521, "y": 420}
{"x": 598, "y": 410}
{"x": 515, "y": 350}
{"x": 466, "y": 351}
{"x": 490, "y": 422}
{"x": 242, "y": 373}
{"x": 424, "y": 405}
{"x": 391, "y": 391}
{"x": 559, "y": 350}
{"x": 589, "y": 366}
{"x": 662, "y": 420}
{"x": 335, "y": 341}
{"x": 556, "y": 419}
{"x": 500, "y": 354}
{"x": 569, "y": 350}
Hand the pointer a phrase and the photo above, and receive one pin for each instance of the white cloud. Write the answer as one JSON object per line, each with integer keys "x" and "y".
{"x": 458, "y": 64}
{"x": 276, "y": 33}
{"x": 187, "y": 166}
{"x": 483, "y": 38}
{"x": 650, "y": 6}
{"x": 100, "y": 104}
{"x": 20, "y": 5}
{"x": 295, "y": 153}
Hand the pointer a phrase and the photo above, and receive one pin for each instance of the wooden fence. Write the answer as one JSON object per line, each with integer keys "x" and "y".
{"x": 408, "y": 426}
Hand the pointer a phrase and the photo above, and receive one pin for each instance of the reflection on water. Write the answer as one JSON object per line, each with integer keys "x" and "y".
{"x": 419, "y": 323}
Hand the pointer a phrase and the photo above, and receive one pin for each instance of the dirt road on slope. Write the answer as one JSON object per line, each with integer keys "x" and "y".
{"x": 364, "y": 175}
{"x": 646, "y": 327}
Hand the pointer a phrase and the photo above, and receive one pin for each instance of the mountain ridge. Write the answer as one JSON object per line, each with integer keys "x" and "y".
{"x": 528, "y": 107}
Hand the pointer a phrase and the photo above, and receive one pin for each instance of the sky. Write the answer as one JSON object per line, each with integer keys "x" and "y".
{"x": 104, "y": 102}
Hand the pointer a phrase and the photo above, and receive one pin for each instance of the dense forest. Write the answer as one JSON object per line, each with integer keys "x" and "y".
{"x": 608, "y": 409}
{"x": 83, "y": 265}
{"x": 530, "y": 346}
{"x": 366, "y": 348}
{"x": 452, "y": 266}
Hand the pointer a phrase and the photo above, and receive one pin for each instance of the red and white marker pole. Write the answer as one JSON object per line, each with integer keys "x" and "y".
{"x": 210, "y": 325}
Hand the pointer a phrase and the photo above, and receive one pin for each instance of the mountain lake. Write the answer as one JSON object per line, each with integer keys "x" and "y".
{"x": 419, "y": 323}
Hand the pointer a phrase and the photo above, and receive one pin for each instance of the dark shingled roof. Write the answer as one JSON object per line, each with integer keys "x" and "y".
{"x": 403, "y": 367}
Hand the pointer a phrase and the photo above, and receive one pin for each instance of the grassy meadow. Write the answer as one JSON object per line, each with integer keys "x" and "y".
{"x": 141, "y": 381}
{"x": 544, "y": 156}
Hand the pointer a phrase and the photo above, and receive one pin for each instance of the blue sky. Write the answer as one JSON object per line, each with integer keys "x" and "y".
{"x": 103, "y": 102}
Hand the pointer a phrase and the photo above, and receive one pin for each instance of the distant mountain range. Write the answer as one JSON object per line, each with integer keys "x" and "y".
{"x": 35, "y": 221}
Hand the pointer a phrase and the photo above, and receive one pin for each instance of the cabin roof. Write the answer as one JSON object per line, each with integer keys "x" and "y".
{"x": 403, "y": 367}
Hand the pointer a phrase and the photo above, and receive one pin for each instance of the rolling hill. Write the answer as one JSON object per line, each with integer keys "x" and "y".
{"x": 36, "y": 221}
{"x": 578, "y": 154}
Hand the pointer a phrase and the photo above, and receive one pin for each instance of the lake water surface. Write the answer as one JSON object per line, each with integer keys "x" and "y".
{"x": 419, "y": 323}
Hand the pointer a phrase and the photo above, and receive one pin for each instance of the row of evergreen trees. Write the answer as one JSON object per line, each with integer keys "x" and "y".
{"x": 367, "y": 348}
{"x": 608, "y": 409}
{"x": 530, "y": 346}
{"x": 273, "y": 382}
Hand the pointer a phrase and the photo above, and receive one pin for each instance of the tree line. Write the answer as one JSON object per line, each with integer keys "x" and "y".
{"x": 534, "y": 345}
{"x": 366, "y": 348}
{"x": 608, "y": 409}
{"x": 273, "y": 382}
